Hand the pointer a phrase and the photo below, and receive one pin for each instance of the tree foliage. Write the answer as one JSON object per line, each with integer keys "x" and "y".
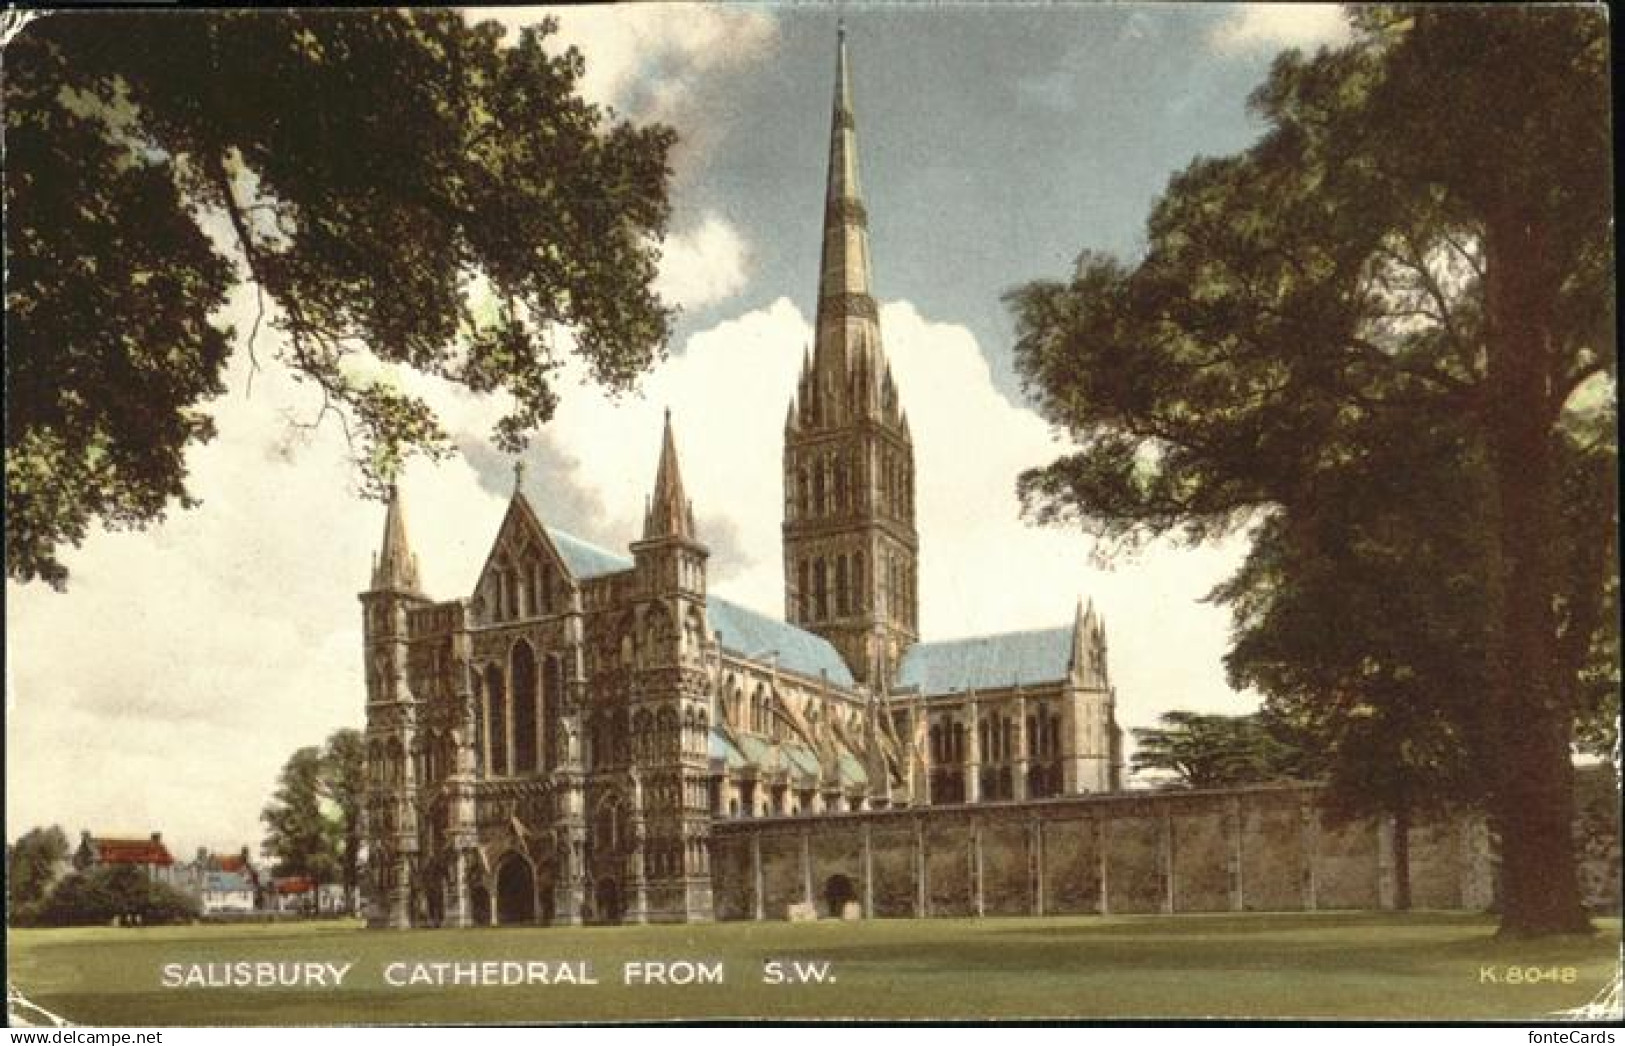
{"x": 1374, "y": 340}
{"x": 344, "y": 786}
{"x": 115, "y": 893}
{"x": 398, "y": 188}
{"x": 314, "y": 824}
{"x": 1218, "y": 751}
{"x": 33, "y": 863}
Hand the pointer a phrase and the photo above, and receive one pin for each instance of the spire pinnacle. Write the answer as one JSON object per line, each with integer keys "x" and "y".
{"x": 669, "y": 513}
{"x": 397, "y": 566}
{"x": 844, "y": 283}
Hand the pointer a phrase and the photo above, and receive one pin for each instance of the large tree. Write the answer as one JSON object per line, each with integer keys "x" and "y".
{"x": 398, "y": 187}
{"x": 33, "y": 863}
{"x": 343, "y": 784}
{"x": 313, "y": 822}
{"x": 302, "y": 835}
{"x": 1421, "y": 238}
{"x": 1217, "y": 751}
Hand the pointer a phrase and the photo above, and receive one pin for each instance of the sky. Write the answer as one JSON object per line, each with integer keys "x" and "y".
{"x": 165, "y": 689}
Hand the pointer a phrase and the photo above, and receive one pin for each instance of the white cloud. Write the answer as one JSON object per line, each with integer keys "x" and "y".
{"x": 167, "y": 687}
{"x": 645, "y": 59}
{"x": 702, "y": 266}
{"x": 1278, "y": 26}
{"x": 982, "y": 569}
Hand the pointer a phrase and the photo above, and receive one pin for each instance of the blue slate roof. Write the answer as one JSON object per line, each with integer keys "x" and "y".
{"x": 742, "y": 631}
{"x": 586, "y": 560}
{"x": 801, "y": 760}
{"x": 746, "y": 633}
{"x": 851, "y": 771}
{"x": 226, "y": 882}
{"x": 723, "y": 749}
{"x": 987, "y": 662}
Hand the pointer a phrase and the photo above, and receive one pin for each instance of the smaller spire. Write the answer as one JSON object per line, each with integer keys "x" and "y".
{"x": 518, "y": 475}
{"x": 670, "y": 514}
{"x": 396, "y": 566}
{"x": 1080, "y": 630}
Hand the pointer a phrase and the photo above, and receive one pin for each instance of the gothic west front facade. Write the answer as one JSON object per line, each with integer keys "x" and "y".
{"x": 558, "y": 746}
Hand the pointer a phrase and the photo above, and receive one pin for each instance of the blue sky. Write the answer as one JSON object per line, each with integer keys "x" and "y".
{"x": 995, "y": 143}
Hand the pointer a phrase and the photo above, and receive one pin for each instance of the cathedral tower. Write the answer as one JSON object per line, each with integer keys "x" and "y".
{"x": 392, "y": 714}
{"x": 669, "y": 874}
{"x": 850, "y": 548}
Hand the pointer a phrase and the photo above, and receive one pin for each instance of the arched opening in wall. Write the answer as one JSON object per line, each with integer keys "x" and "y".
{"x": 607, "y": 898}
{"x": 436, "y": 898}
{"x": 496, "y": 717}
{"x": 479, "y": 901}
{"x": 838, "y": 891}
{"x": 524, "y": 708}
{"x": 516, "y": 891}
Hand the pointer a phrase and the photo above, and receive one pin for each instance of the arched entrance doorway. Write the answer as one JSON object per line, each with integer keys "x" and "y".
{"x": 436, "y": 899}
{"x": 608, "y": 895}
{"x": 516, "y": 891}
{"x": 479, "y": 900}
{"x": 838, "y": 891}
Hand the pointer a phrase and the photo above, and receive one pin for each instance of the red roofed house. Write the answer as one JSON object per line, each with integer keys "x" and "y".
{"x": 300, "y": 893}
{"x": 150, "y": 855}
{"x": 224, "y": 882}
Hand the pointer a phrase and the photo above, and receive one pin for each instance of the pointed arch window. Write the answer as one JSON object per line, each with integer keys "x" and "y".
{"x": 523, "y": 674}
{"x": 820, "y": 590}
{"x": 496, "y": 716}
{"x": 479, "y": 726}
{"x": 842, "y": 580}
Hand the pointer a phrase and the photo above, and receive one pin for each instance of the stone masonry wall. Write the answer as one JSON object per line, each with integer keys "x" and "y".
{"x": 1252, "y": 849}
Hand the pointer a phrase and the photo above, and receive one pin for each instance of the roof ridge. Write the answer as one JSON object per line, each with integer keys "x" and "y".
{"x": 994, "y": 635}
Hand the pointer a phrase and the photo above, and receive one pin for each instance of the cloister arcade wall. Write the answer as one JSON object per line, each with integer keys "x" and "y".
{"x": 1255, "y": 849}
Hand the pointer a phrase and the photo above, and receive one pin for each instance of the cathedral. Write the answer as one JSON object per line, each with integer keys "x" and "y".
{"x": 556, "y": 747}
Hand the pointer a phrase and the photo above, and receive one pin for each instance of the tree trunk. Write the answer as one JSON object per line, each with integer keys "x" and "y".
{"x": 1532, "y": 706}
{"x": 1402, "y": 857}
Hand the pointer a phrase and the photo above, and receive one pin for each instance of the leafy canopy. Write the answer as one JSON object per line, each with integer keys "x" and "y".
{"x": 314, "y": 824}
{"x": 1218, "y": 751}
{"x": 397, "y": 187}
{"x": 1380, "y": 340}
{"x": 32, "y": 864}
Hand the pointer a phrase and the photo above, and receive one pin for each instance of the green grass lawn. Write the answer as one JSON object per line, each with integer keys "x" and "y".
{"x": 1350, "y": 966}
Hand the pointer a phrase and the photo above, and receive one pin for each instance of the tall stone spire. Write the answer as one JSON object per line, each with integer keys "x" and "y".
{"x": 670, "y": 513}
{"x": 396, "y": 567}
{"x": 843, "y": 288}
{"x": 850, "y": 545}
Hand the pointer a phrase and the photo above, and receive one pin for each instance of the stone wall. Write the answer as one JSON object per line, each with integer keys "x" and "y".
{"x": 1252, "y": 849}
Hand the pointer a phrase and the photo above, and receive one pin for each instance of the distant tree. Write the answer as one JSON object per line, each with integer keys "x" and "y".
{"x": 115, "y": 893}
{"x": 1215, "y": 751}
{"x": 1419, "y": 242}
{"x": 396, "y": 186}
{"x": 33, "y": 863}
{"x": 344, "y": 783}
{"x": 303, "y": 837}
{"x": 314, "y": 821}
